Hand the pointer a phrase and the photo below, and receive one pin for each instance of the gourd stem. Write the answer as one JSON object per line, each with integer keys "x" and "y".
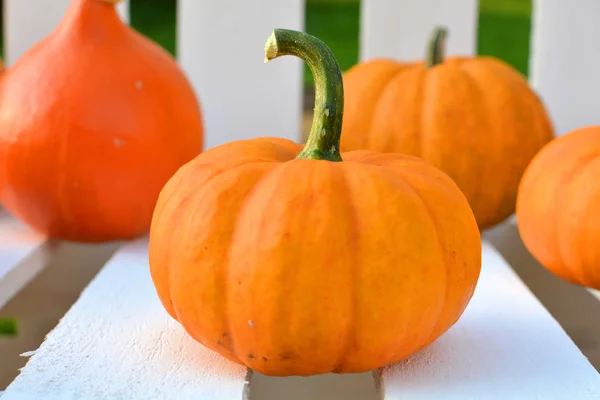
{"x": 436, "y": 50}
{"x": 324, "y": 140}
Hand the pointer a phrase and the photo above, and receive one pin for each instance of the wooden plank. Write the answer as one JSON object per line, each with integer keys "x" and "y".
{"x": 595, "y": 293}
{"x": 117, "y": 342}
{"x": 23, "y": 254}
{"x": 26, "y": 22}
{"x": 220, "y": 47}
{"x": 563, "y": 64}
{"x": 400, "y": 28}
{"x": 505, "y": 346}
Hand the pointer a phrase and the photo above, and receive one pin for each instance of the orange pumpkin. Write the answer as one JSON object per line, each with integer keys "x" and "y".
{"x": 474, "y": 118}
{"x": 302, "y": 261}
{"x": 558, "y": 207}
{"x": 93, "y": 122}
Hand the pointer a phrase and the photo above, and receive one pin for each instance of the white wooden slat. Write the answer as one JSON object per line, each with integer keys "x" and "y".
{"x": 26, "y": 22}
{"x": 595, "y": 293}
{"x": 400, "y": 29}
{"x": 220, "y": 47}
{"x": 564, "y": 61}
{"x": 118, "y": 342}
{"x": 23, "y": 254}
{"x": 505, "y": 346}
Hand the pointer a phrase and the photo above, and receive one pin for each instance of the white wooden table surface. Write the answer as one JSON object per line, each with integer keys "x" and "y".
{"x": 118, "y": 342}
{"x": 23, "y": 254}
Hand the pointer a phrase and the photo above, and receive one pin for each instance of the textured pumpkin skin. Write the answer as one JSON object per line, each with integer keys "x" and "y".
{"x": 476, "y": 119}
{"x": 93, "y": 122}
{"x": 302, "y": 267}
{"x": 558, "y": 207}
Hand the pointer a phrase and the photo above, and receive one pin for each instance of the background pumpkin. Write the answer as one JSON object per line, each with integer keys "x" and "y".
{"x": 558, "y": 207}
{"x": 93, "y": 122}
{"x": 295, "y": 262}
{"x": 474, "y": 118}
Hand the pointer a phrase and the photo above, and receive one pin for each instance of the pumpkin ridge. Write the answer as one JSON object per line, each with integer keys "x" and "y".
{"x": 386, "y": 76}
{"x": 398, "y": 175}
{"x": 350, "y": 338}
{"x": 560, "y": 192}
{"x": 521, "y": 99}
{"x": 432, "y": 335}
{"x": 440, "y": 180}
{"x": 395, "y": 133}
{"x": 282, "y": 313}
{"x": 544, "y": 131}
{"x": 222, "y": 319}
{"x": 478, "y": 189}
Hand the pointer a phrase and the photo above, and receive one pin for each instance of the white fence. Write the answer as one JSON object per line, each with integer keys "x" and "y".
{"x": 220, "y": 47}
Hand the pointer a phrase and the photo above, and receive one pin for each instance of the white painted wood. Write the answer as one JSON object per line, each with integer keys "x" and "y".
{"x": 220, "y": 47}
{"x": 401, "y": 28}
{"x": 26, "y": 22}
{"x": 564, "y": 61}
{"x": 505, "y": 346}
{"x": 595, "y": 293}
{"x": 118, "y": 342}
{"x": 23, "y": 254}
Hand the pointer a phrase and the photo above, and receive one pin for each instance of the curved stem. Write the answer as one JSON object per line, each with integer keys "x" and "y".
{"x": 324, "y": 140}
{"x": 436, "y": 50}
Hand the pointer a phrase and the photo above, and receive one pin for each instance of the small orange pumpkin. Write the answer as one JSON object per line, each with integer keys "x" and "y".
{"x": 302, "y": 261}
{"x": 474, "y": 118}
{"x": 93, "y": 122}
{"x": 558, "y": 207}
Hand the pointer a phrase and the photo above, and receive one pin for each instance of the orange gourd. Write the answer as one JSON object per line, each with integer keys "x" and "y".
{"x": 474, "y": 118}
{"x": 93, "y": 122}
{"x": 558, "y": 207}
{"x": 302, "y": 261}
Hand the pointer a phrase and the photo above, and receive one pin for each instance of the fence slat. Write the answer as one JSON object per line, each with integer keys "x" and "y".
{"x": 505, "y": 346}
{"x": 26, "y": 22}
{"x": 220, "y": 47}
{"x": 564, "y": 61}
{"x": 118, "y": 342}
{"x": 23, "y": 254}
{"x": 400, "y": 28}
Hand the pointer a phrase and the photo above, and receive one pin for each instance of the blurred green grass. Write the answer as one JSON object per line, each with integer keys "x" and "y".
{"x": 504, "y": 28}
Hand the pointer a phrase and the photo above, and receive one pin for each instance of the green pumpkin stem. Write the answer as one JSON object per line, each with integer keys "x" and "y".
{"x": 324, "y": 140}
{"x": 436, "y": 50}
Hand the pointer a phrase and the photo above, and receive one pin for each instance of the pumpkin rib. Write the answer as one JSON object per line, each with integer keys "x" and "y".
{"x": 442, "y": 182}
{"x": 281, "y": 319}
{"x": 165, "y": 198}
{"x": 374, "y": 84}
{"x": 399, "y": 179}
{"x": 439, "y": 106}
{"x": 218, "y": 331}
{"x": 174, "y": 206}
{"x": 544, "y": 130}
{"x": 562, "y": 189}
{"x": 498, "y": 141}
{"x": 350, "y": 338}
{"x": 385, "y": 128}
{"x": 408, "y": 175}
{"x": 432, "y": 335}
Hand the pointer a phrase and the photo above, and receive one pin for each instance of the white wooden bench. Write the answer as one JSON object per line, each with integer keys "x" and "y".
{"x": 117, "y": 341}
